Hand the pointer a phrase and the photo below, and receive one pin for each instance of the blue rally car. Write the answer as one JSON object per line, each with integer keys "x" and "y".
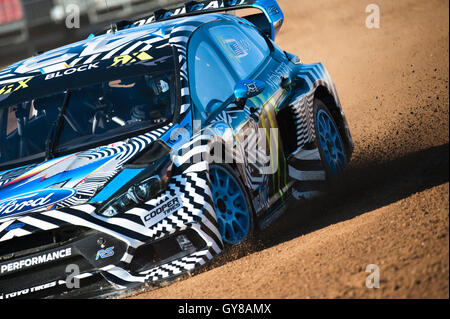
{"x": 138, "y": 154}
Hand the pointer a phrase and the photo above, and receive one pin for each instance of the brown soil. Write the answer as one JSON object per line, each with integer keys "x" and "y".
{"x": 393, "y": 212}
{"x": 394, "y": 208}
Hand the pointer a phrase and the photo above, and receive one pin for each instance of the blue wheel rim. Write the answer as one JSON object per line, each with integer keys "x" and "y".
{"x": 330, "y": 143}
{"x": 231, "y": 208}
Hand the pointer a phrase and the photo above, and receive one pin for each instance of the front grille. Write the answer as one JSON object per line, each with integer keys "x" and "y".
{"x": 36, "y": 265}
{"x": 39, "y": 241}
{"x": 164, "y": 251}
{"x": 42, "y": 274}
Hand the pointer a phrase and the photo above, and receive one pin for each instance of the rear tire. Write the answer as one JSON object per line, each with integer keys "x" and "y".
{"x": 329, "y": 142}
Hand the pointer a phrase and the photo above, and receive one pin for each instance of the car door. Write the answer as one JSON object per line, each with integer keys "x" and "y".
{"x": 225, "y": 54}
{"x": 252, "y": 58}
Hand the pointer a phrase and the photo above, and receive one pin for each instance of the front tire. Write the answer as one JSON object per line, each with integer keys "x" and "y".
{"x": 233, "y": 208}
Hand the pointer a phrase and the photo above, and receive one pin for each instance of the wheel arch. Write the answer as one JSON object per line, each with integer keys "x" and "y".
{"x": 322, "y": 93}
{"x": 239, "y": 168}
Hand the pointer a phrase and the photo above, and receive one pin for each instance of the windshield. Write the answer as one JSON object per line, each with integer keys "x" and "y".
{"x": 92, "y": 115}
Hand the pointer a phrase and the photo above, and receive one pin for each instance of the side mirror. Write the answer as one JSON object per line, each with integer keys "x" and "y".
{"x": 247, "y": 89}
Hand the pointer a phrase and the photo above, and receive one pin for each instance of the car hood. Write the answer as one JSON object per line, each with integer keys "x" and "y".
{"x": 66, "y": 181}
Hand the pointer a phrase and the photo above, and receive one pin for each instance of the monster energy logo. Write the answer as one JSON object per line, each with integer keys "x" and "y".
{"x": 258, "y": 146}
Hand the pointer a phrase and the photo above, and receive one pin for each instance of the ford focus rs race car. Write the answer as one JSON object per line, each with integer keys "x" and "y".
{"x": 136, "y": 155}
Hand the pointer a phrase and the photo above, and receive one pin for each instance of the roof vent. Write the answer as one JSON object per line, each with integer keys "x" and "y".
{"x": 193, "y": 6}
{"x": 162, "y": 14}
{"x": 123, "y": 24}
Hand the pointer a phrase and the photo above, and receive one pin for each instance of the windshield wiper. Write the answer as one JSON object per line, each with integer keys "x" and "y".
{"x": 55, "y": 131}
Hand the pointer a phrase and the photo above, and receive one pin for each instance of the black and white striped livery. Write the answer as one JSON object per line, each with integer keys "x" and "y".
{"x": 144, "y": 209}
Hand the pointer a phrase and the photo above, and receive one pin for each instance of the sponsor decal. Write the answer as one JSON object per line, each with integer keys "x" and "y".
{"x": 36, "y": 260}
{"x": 105, "y": 253}
{"x": 27, "y": 290}
{"x": 235, "y": 49}
{"x": 251, "y": 88}
{"x": 97, "y": 49}
{"x": 13, "y": 87}
{"x": 273, "y": 11}
{"x": 82, "y": 68}
{"x": 283, "y": 70}
{"x": 167, "y": 207}
{"x": 238, "y": 48}
{"x": 33, "y": 201}
{"x": 131, "y": 58}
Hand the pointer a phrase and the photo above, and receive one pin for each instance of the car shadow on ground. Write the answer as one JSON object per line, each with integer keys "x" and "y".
{"x": 365, "y": 188}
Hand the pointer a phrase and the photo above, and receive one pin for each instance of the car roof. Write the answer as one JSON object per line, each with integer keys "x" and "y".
{"x": 129, "y": 51}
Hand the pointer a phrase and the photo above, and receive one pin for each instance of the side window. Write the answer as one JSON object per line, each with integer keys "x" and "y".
{"x": 210, "y": 79}
{"x": 115, "y": 107}
{"x": 245, "y": 51}
{"x": 94, "y": 115}
{"x": 11, "y": 126}
{"x": 20, "y": 137}
{"x": 219, "y": 56}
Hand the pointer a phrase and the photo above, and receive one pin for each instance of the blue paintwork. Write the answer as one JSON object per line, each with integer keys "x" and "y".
{"x": 112, "y": 187}
{"x": 15, "y": 226}
{"x": 273, "y": 13}
{"x": 30, "y": 184}
{"x": 180, "y": 133}
{"x": 34, "y": 200}
{"x": 265, "y": 98}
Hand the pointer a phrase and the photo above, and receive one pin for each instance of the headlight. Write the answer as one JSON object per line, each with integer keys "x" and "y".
{"x": 147, "y": 189}
{"x": 136, "y": 194}
{"x": 146, "y": 185}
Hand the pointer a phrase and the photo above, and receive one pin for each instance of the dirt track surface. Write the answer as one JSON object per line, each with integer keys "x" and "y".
{"x": 393, "y": 210}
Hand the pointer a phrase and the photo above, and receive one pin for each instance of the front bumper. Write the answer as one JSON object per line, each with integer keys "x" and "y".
{"x": 74, "y": 252}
